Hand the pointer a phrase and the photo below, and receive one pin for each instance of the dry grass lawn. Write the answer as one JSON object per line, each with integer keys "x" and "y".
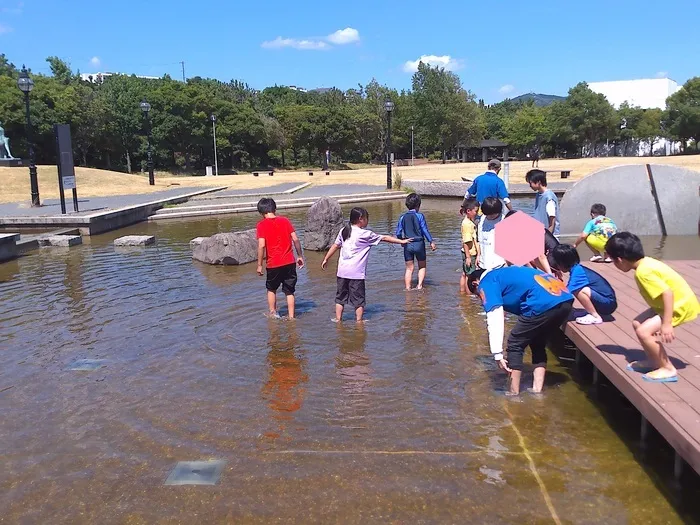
{"x": 14, "y": 182}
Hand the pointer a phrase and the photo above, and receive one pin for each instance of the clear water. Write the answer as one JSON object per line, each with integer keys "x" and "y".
{"x": 400, "y": 420}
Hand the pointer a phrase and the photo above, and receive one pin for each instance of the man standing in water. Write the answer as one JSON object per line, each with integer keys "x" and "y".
{"x": 542, "y": 304}
{"x": 490, "y": 184}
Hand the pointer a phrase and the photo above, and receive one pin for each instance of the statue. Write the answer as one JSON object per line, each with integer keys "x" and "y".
{"x": 4, "y": 145}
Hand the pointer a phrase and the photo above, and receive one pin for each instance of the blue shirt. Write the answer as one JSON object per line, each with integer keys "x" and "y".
{"x": 412, "y": 229}
{"x": 580, "y": 277}
{"x": 487, "y": 185}
{"x": 522, "y": 291}
{"x": 540, "y": 213}
{"x": 600, "y": 225}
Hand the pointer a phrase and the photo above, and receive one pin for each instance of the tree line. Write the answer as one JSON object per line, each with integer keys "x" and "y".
{"x": 286, "y": 127}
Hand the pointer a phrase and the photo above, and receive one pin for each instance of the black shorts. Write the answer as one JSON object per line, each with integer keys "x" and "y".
{"x": 414, "y": 249}
{"x": 284, "y": 275}
{"x": 350, "y": 291}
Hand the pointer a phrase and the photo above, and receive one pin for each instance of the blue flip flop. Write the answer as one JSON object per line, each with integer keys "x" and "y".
{"x": 673, "y": 379}
{"x": 640, "y": 369}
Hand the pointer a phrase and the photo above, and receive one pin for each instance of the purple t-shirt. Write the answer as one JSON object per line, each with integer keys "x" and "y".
{"x": 354, "y": 252}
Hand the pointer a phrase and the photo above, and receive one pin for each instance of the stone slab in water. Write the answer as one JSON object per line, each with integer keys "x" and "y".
{"x": 228, "y": 248}
{"x": 86, "y": 365}
{"x": 196, "y": 472}
{"x": 135, "y": 240}
{"x": 323, "y": 222}
{"x": 60, "y": 240}
{"x": 196, "y": 241}
{"x": 679, "y": 197}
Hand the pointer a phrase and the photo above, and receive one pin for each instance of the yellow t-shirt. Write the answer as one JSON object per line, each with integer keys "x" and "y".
{"x": 469, "y": 234}
{"x": 654, "y": 277}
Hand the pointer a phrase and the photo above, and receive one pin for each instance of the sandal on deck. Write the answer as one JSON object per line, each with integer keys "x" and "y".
{"x": 588, "y": 319}
{"x": 672, "y": 379}
{"x": 596, "y": 258}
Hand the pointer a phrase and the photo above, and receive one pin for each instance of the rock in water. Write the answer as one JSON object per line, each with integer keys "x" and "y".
{"x": 323, "y": 222}
{"x": 228, "y": 248}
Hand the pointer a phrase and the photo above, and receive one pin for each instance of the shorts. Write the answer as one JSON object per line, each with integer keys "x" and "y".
{"x": 350, "y": 291}
{"x": 282, "y": 275}
{"x": 414, "y": 249}
{"x": 466, "y": 270}
{"x": 597, "y": 242}
{"x": 603, "y": 305}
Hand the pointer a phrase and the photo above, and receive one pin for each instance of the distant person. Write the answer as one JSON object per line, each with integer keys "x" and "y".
{"x": 354, "y": 242}
{"x": 489, "y": 184}
{"x": 591, "y": 289}
{"x": 671, "y": 299}
{"x": 542, "y": 304}
{"x": 492, "y": 208}
{"x": 535, "y": 156}
{"x": 544, "y": 262}
{"x": 546, "y": 202}
{"x": 412, "y": 225}
{"x": 470, "y": 244}
{"x": 597, "y": 232}
{"x": 275, "y": 238}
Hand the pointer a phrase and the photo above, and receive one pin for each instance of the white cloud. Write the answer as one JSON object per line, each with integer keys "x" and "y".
{"x": 445, "y": 61}
{"x": 95, "y": 62}
{"x": 305, "y": 44}
{"x": 5, "y": 29}
{"x": 344, "y": 36}
{"x": 662, "y": 74}
{"x": 508, "y": 88}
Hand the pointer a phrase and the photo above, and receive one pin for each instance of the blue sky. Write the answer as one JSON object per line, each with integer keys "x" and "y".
{"x": 498, "y": 48}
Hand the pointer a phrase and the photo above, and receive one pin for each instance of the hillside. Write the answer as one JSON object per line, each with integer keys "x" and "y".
{"x": 538, "y": 98}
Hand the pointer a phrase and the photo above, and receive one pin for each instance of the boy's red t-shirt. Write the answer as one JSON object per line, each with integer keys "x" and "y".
{"x": 277, "y": 233}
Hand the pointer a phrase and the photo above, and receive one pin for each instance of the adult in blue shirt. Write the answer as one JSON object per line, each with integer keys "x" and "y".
{"x": 490, "y": 185}
{"x": 542, "y": 304}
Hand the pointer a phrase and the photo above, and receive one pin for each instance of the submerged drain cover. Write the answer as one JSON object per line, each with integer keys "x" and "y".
{"x": 196, "y": 472}
{"x": 86, "y": 364}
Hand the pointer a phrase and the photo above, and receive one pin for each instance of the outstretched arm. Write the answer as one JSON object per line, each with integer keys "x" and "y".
{"x": 495, "y": 322}
{"x": 331, "y": 251}
{"x": 424, "y": 230}
{"x": 394, "y": 240}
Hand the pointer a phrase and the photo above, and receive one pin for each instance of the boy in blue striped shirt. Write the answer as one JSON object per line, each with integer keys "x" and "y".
{"x": 412, "y": 225}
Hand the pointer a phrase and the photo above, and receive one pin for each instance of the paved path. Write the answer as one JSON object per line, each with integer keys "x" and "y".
{"x": 90, "y": 205}
{"x": 269, "y": 190}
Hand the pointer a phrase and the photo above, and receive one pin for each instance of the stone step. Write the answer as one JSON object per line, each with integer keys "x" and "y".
{"x": 252, "y": 207}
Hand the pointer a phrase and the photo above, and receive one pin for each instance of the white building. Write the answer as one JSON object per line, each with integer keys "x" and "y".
{"x": 98, "y": 78}
{"x": 646, "y": 93}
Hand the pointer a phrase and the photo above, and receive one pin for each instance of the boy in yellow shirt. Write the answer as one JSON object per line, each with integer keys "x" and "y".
{"x": 671, "y": 299}
{"x": 470, "y": 245}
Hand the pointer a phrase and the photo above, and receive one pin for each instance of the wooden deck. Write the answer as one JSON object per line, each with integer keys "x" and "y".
{"x": 672, "y": 408}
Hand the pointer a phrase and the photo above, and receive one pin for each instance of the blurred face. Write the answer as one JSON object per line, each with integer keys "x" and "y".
{"x": 622, "y": 264}
{"x": 471, "y": 213}
{"x": 364, "y": 221}
{"x": 535, "y": 186}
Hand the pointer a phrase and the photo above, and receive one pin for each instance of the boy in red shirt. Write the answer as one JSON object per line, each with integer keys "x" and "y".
{"x": 275, "y": 236}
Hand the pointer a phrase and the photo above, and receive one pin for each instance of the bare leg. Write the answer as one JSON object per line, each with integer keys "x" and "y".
{"x": 538, "y": 378}
{"x": 515, "y": 376}
{"x": 463, "y": 283}
{"x": 290, "y": 306}
{"x": 272, "y": 302}
{"x": 422, "y": 270}
{"x": 584, "y": 297}
{"x": 359, "y": 312}
{"x": 408, "y": 277}
{"x": 647, "y": 331}
{"x": 339, "y": 312}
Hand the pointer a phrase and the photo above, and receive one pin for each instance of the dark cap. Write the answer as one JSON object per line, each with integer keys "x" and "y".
{"x": 494, "y": 164}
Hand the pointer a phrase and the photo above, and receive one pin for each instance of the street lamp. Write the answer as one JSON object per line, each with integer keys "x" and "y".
{"x": 216, "y": 160}
{"x": 412, "y": 146}
{"x": 26, "y": 84}
{"x": 389, "y": 107}
{"x": 146, "y": 107}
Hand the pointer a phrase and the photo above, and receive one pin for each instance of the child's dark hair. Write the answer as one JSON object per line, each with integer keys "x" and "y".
{"x": 536, "y": 176}
{"x": 470, "y": 204}
{"x": 565, "y": 257}
{"x": 491, "y": 205}
{"x": 625, "y": 245}
{"x": 355, "y": 215}
{"x": 267, "y": 205}
{"x": 413, "y": 201}
{"x": 598, "y": 209}
{"x": 471, "y": 280}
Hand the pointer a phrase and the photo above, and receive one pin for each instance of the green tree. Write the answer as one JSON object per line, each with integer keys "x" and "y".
{"x": 682, "y": 117}
{"x": 588, "y": 116}
{"x": 649, "y": 127}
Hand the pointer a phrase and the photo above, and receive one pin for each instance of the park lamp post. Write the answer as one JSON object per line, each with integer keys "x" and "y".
{"x": 389, "y": 107}
{"x": 216, "y": 160}
{"x": 26, "y": 84}
{"x": 146, "y": 108}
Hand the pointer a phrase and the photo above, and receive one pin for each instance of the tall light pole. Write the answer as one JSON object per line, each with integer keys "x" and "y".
{"x": 412, "y": 146}
{"x": 216, "y": 160}
{"x": 389, "y": 107}
{"x": 26, "y": 84}
{"x": 146, "y": 107}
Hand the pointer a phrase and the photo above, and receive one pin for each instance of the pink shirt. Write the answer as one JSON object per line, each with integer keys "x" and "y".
{"x": 354, "y": 252}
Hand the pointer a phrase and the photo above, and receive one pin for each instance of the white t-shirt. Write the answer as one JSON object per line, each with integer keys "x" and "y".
{"x": 486, "y": 233}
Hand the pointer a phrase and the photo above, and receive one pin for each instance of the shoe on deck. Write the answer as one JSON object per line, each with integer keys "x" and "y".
{"x": 672, "y": 379}
{"x": 596, "y": 258}
{"x": 588, "y": 319}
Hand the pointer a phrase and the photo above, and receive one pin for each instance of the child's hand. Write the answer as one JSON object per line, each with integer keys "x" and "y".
{"x": 667, "y": 334}
{"x": 324, "y": 264}
{"x": 406, "y": 241}
{"x": 468, "y": 260}
{"x": 300, "y": 262}
{"x": 503, "y": 363}
{"x": 433, "y": 246}
{"x": 260, "y": 272}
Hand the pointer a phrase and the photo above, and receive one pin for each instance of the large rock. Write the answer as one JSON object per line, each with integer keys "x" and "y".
{"x": 323, "y": 222}
{"x": 228, "y": 248}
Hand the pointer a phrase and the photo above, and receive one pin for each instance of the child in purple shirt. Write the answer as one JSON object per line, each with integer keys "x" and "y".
{"x": 354, "y": 242}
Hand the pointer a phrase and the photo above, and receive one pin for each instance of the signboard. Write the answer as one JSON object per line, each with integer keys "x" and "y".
{"x": 69, "y": 183}
{"x": 506, "y": 174}
{"x": 209, "y": 172}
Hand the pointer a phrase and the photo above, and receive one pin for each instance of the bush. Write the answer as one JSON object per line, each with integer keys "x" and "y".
{"x": 398, "y": 180}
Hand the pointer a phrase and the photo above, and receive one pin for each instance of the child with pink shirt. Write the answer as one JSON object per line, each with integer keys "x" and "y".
{"x": 354, "y": 243}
